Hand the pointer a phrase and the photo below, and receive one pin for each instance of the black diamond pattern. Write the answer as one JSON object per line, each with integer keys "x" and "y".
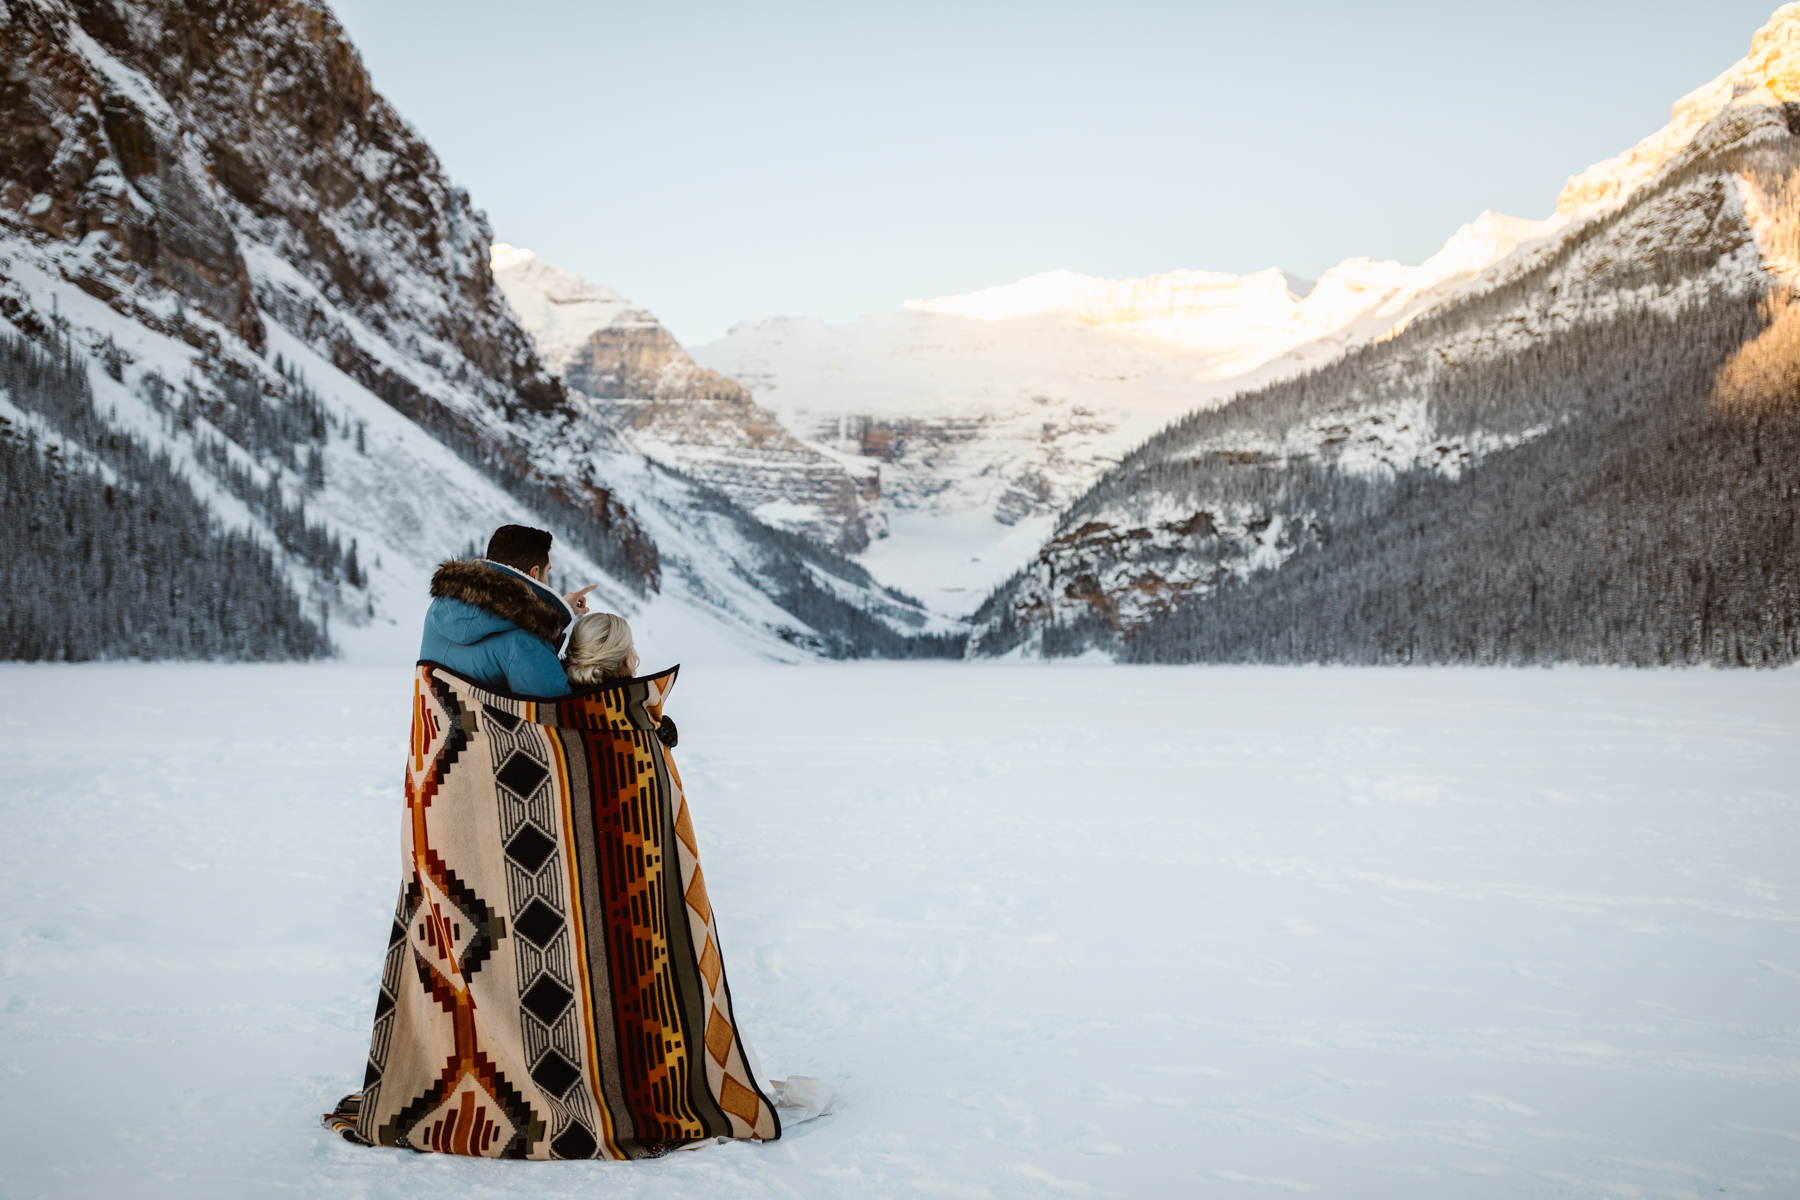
{"x": 521, "y": 774}
{"x": 530, "y": 847}
{"x": 555, "y": 1074}
{"x": 546, "y": 999}
{"x": 575, "y": 1142}
{"x": 502, "y": 718}
{"x": 539, "y": 922}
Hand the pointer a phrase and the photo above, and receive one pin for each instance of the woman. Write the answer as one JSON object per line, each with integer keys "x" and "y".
{"x": 600, "y": 653}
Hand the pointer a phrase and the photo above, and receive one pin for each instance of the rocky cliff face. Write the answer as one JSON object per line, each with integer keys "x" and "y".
{"x": 697, "y": 421}
{"x": 239, "y": 148}
{"x": 101, "y": 166}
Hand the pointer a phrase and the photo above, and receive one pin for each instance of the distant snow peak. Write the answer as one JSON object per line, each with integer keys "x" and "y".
{"x": 502, "y": 256}
{"x": 1241, "y": 322}
{"x": 1481, "y": 243}
{"x": 1099, "y": 301}
{"x": 1179, "y": 305}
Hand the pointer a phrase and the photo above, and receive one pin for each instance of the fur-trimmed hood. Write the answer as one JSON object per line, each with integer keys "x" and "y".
{"x": 507, "y": 596}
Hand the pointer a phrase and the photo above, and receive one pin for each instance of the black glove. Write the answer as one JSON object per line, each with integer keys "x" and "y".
{"x": 666, "y": 734}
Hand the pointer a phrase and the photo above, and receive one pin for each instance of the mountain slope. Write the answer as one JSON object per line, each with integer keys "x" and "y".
{"x": 270, "y": 283}
{"x": 1539, "y": 469}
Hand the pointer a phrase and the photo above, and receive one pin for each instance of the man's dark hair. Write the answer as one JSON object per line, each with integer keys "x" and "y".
{"x": 520, "y": 547}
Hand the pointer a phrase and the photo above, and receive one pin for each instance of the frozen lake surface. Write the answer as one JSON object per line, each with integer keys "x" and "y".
{"x": 1061, "y": 931}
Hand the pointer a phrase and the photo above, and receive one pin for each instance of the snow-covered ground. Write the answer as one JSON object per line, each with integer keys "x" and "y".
{"x": 1082, "y": 931}
{"x": 950, "y": 561}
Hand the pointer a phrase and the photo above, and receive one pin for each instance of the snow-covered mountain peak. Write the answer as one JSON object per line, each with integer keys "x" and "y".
{"x": 561, "y": 311}
{"x": 1096, "y": 301}
{"x": 1241, "y": 321}
{"x": 1047, "y": 291}
{"x": 1767, "y": 77}
{"x": 1358, "y": 282}
{"x": 1481, "y": 243}
{"x": 501, "y": 256}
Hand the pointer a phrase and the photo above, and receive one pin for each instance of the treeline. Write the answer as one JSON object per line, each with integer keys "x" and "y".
{"x": 848, "y": 631}
{"x": 107, "y": 553}
{"x": 244, "y": 437}
{"x": 1648, "y": 525}
{"x": 290, "y": 434}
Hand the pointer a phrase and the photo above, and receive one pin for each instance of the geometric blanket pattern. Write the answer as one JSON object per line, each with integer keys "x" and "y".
{"x": 553, "y": 986}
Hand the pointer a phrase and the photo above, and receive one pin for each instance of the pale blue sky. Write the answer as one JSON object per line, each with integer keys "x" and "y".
{"x": 719, "y": 162}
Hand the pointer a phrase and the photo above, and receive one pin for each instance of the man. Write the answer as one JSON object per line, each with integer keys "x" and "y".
{"x": 496, "y": 620}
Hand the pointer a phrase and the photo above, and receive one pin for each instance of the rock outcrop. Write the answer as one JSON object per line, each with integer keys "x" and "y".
{"x": 700, "y": 422}
{"x": 107, "y": 168}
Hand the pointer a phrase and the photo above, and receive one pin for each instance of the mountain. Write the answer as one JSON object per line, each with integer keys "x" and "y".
{"x": 989, "y": 413}
{"x": 1589, "y": 452}
{"x": 1241, "y": 322}
{"x": 261, "y": 367}
{"x": 637, "y": 376}
{"x": 243, "y": 308}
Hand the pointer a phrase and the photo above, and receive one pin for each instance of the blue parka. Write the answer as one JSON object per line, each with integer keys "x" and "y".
{"x": 497, "y": 626}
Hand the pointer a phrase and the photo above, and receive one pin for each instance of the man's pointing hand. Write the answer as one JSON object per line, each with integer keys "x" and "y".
{"x": 577, "y": 601}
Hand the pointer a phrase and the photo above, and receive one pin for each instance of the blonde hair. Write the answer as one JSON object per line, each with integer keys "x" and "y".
{"x": 600, "y": 648}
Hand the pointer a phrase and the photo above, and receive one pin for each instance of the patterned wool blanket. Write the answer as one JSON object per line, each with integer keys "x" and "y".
{"x": 553, "y": 985}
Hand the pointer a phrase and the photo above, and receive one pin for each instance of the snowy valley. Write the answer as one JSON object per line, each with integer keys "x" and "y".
{"x": 938, "y": 444}
{"x": 990, "y": 413}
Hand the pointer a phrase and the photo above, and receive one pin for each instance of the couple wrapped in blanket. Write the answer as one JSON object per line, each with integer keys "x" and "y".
{"x": 553, "y": 985}
{"x": 497, "y": 621}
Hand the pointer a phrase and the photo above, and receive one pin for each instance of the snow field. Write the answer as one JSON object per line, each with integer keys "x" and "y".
{"x": 1049, "y": 930}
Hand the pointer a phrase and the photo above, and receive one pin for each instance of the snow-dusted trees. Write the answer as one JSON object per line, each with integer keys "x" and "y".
{"x": 1655, "y": 520}
{"x": 267, "y": 451}
{"x": 105, "y": 552}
